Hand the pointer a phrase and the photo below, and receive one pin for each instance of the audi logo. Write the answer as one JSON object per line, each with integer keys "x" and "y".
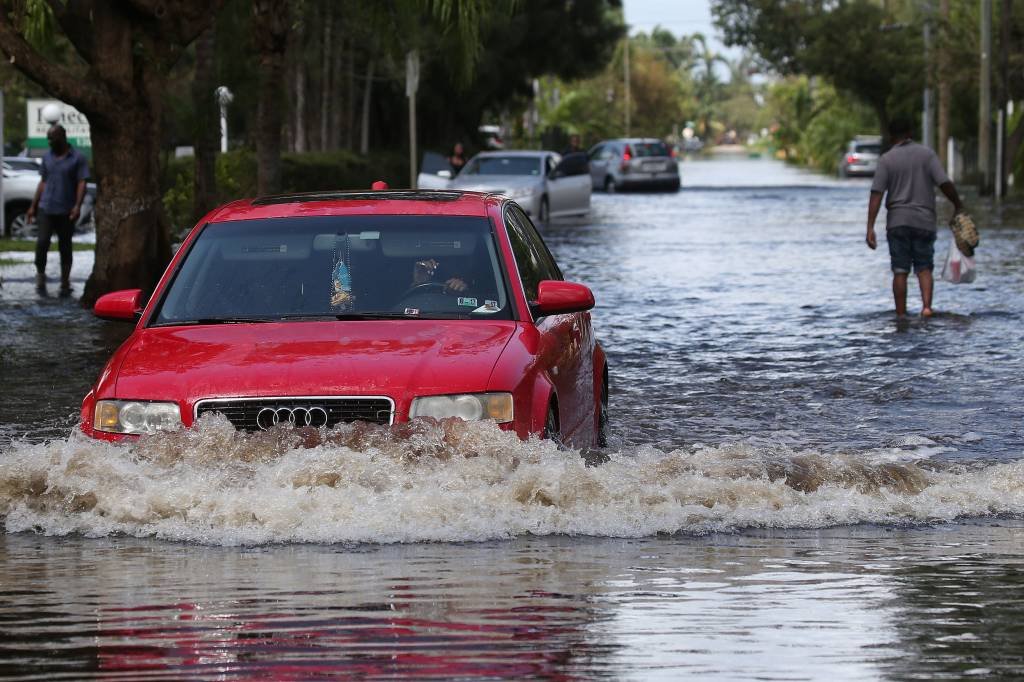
{"x": 270, "y": 417}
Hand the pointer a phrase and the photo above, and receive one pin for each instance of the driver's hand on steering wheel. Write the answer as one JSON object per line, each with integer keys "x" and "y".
{"x": 455, "y": 285}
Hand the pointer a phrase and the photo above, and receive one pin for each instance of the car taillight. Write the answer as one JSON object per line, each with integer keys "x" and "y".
{"x": 672, "y": 152}
{"x": 626, "y": 156}
{"x": 851, "y": 158}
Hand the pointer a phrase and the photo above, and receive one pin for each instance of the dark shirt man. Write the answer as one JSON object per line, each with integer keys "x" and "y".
{"x": 59, "y": 202}
{"x": 908, "y": 174}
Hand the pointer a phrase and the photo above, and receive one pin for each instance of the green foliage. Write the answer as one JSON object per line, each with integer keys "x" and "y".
{"x": 858, "y": 45}
{"x": 813, "y": 124}
{"x": 309, "y": 172}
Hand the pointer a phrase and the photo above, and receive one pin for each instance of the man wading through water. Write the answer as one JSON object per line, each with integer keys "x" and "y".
{"x": 907, "y": 174}
{"x": 59, "y": 200}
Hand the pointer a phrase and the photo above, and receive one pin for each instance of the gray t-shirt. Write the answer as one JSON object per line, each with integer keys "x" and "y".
{"x": 908, "y": 174}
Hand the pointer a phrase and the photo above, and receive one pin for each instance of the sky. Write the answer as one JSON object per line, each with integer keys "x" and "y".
{"x": 678, "y": 16}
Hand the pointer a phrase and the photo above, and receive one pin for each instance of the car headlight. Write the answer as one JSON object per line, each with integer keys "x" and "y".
{"x": 519, "y": 193}
{"x": 468, "y": 406}
{"x": 133, "y": 416}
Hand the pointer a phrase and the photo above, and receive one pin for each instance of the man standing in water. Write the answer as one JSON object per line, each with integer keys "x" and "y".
{"x": 59, "y": 200}
{"x": 907, "y": 174}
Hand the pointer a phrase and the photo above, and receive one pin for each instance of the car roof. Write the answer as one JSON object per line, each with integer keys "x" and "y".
{"x": 632, "y": 139}
{"x": 537, "y": 153}
{"x": 377, "y": 202}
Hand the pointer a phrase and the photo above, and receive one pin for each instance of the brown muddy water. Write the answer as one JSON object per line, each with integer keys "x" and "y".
{"x": 797, "y": 486}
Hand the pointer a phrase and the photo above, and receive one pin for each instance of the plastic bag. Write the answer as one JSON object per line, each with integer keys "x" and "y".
{"x": 958, "y": 269}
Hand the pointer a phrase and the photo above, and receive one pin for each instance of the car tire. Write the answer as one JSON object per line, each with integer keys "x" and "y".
{"x": 544, "y": 213}
{"x": 16, "y": 216}
{"x": 552, "y": 430}
{"x": 609, "y": 185}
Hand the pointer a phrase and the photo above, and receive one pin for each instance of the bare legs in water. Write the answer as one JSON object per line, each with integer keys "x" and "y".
{"x": 899, "y": 292}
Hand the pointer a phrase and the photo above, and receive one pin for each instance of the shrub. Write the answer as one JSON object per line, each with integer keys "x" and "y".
{"x": 308, "y": 172}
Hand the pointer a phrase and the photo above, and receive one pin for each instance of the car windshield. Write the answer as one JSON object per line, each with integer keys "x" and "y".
{"x": 338, "y": 267}
{"x": 642, "y": 149}
{"x": 503, "y": 165}
{"x": 869, "y": 148}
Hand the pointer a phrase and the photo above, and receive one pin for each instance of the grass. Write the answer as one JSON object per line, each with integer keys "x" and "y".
{"x": 30, "y": 245}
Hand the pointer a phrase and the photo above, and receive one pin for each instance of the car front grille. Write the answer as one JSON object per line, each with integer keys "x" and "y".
{"x": 259, "y": 414}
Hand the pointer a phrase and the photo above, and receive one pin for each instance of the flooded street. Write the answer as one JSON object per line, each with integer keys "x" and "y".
{"x": 798, "y": 486}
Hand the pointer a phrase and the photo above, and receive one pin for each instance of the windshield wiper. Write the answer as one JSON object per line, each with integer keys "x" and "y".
{"x": 212, "y": 320}
{"x": 371, "y": 315}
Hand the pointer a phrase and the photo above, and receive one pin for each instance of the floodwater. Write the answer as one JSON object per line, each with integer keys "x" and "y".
{"x": 798, "y": 486}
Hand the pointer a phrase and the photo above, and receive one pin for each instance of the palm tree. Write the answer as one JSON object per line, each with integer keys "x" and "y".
{"x": 708, "y": 84}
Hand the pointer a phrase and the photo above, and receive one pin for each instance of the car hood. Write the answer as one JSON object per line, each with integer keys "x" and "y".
{"x": 494, "y": 183}
{"x": 393, "y": 358}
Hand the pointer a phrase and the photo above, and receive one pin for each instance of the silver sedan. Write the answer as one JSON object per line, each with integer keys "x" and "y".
{"x": 544, "y": 183}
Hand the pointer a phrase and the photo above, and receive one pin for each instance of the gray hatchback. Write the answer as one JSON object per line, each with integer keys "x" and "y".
{"x": 633, "y": 162}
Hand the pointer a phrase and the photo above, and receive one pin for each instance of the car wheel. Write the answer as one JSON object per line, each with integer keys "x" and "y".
{"x": 551, "y": 428}
{"x": 544, "y": 213}
{"x": 17, "y": 222}
{"x": 609, "y": 185}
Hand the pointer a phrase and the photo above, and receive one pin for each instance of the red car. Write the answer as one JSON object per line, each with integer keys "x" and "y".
{"x": 318, "y": 309}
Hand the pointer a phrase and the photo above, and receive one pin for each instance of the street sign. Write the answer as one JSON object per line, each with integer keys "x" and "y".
{"x": 74, "y": 122}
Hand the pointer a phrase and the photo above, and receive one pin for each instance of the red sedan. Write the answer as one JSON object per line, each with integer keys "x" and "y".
{"x": 311, "y": 310}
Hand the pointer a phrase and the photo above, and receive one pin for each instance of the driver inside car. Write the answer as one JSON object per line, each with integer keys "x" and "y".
{"x": 424, "y": 272}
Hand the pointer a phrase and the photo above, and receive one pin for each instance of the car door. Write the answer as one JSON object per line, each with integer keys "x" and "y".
{"x": 563, "y": 351}
{"x": 557, "y": 190}
{"x": 598, "y": 167}
{"x": 572, "y": 179}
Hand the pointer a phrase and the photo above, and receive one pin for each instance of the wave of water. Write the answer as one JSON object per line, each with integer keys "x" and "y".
{"x": 468, "y": 482}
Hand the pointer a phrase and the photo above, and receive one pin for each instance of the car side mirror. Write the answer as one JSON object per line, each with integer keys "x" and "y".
{"x": 122, "y": 306}
{"x": 446, "y": 174}
{"x": 558, "y": 298}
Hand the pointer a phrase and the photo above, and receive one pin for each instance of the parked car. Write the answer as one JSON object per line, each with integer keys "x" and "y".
{"x": 311, "y": 310}
{"x": 19, "y": 191}
{"x": 547, "y": 185}
{"x": 23, "y": 163}
{"x": 544, "y": 183}
{"x": 861, "y": 156}
{"x": 492, "y": 136}
{"x": 633, "y": 163}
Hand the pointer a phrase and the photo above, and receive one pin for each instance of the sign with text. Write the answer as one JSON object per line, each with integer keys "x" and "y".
{"x": 74, "y": 122}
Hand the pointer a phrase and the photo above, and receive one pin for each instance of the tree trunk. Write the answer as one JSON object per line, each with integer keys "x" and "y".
{"x": 204, "y": 189}
{"x": 336, "y": 100}
{"x": 945, "y": 88}
{"x": 350, "y": 119}
{"x": 270, "y": 28}
{"x": 132, "y": 243}
{"x": 364, "y": 141}
{"x": 326, "y": 77}
{"x": 299, "y": 112}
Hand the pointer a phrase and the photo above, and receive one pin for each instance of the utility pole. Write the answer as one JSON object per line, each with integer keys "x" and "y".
{"x": 625, "y": 61}
{"x": 3, "y": 218}
{"x": 945, "y": 91}
{"x": 1003, "y": 164}
{"x": 927, "y": 136}
{"x": 985, "y": 101}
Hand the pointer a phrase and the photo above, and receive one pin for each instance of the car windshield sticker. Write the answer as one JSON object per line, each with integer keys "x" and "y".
{"x": 341, "y": 279}
{"x": 470, "y": 302}
{"x": 488, "y": 308}
{"x": 412, "y": 311}
{"x": 369, "y": 234}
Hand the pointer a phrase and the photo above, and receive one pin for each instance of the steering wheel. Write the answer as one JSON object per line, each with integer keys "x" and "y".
{"x": 417, "y": 289}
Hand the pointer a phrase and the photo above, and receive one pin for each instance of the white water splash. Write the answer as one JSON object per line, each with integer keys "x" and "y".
{"x": 463, "y": 482}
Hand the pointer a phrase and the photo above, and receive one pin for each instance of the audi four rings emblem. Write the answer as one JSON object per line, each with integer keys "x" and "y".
{"x": 269, "y": 417}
